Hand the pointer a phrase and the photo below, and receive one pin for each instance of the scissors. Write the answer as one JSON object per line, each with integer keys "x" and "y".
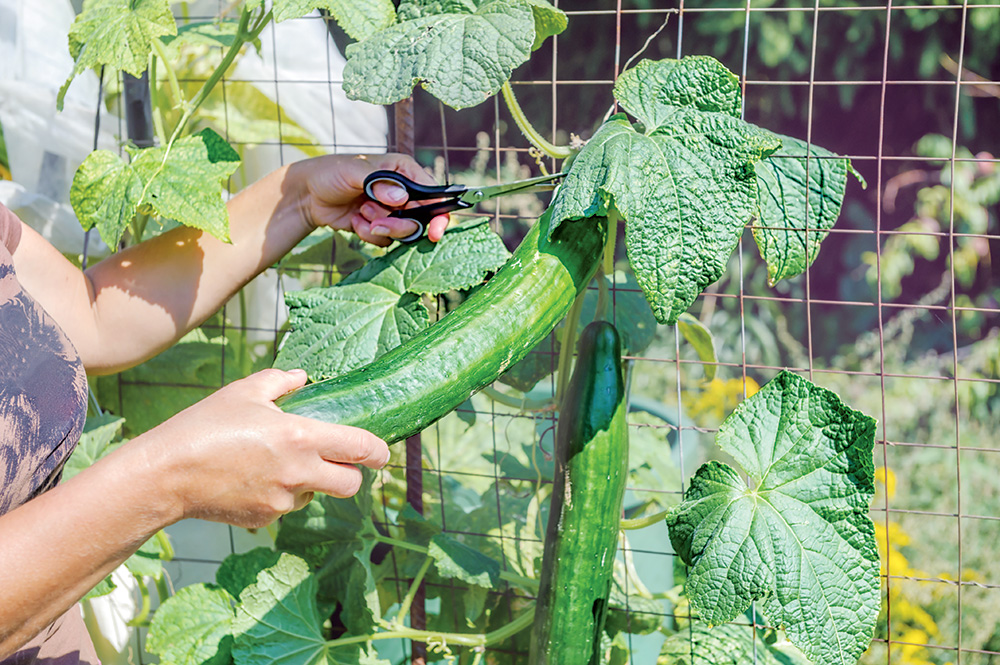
{"x": 455, "y": 197}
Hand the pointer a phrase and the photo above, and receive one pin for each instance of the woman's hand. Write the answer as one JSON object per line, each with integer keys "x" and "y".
{"x": 235, "y": 457}
{"x": 333, "y": 195}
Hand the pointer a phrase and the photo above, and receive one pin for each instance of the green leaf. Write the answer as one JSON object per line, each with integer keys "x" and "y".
{"x": 101, "y": 434}
{"x": 801, "y": 190}
{"x": 460, "y": 52}
{"x": 147, "y": 561}
{"x": 337, "y": 536}
{"x": 103, "y": 588}
{"x": 798, "y": 539}
{"x": 686, "y": 189}
{"x": 454, "y": 559}
{"x": 653, "y": 88}
{"x": 193, "y": 627}
{"x": 208, "y": 33}
{"x": 549, "y": 21}
{"x": 238, "y": 571}
{"x": 360, "y": 19}
{"x": 728, "y": 644}
{"x": 277, "y": 622}
{"x": 117, "y": 33}
{"x": 183, "y": 182}
{"x": 106, "y": 193}
{"x": 699, "y": 337}
{"x": 377, "y": 308}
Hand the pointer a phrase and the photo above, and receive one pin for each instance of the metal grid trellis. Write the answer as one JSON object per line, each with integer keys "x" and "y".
{"x": 930, "y": 433}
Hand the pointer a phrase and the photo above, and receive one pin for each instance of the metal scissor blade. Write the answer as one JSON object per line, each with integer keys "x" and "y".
{"x": 476, "y": 194}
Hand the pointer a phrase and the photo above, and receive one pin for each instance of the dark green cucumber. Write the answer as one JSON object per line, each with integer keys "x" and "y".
{"x": 420, "y": 381}
{"x": 582, "y": 533}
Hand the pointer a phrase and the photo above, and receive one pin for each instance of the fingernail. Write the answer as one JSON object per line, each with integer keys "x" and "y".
{"x": 380, "y": 230}
{"x": 395, "y": 195}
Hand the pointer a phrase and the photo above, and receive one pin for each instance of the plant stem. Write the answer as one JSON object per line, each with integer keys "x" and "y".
{"x": 603, "y": 296}
{"x": 506, "y": 576}
{"x": 244, "y": 34}
{"x": 432, "y": 637}
{"x": 521, "y": 403}
{"x": 404, "y": 608}
{"x": 568, "y": 346}
{"x": 609, "y": 243}
{"x": 643, "y": 522}
{"x": 530, "y": 133}
{"x": 175, "y": 87}
{"x": 164, "y": 542}
{"x": 143, "y": 615}
{"x": 154, "y": 94}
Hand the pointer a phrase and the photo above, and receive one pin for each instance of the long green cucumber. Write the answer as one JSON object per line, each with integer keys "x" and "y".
{"x": 425, "y": 378}
{"x": 582, "y": 533}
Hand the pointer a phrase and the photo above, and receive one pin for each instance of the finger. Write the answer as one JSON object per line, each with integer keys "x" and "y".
{"x": 350, "y": 445}
{"x": 273, "y": 383}
{"x": 363, "y": 229}
{"x": 339, "y": 480}
{"x": 437, "y": 227}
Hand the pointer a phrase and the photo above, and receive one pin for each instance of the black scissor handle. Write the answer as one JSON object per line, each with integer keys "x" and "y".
{"x": 420, "y": 215}
{"x": 414, "y": 190}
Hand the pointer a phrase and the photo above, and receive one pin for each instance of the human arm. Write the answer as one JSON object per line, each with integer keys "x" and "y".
{"x": 141, "y": 300}
{"x": 233, "y": 457}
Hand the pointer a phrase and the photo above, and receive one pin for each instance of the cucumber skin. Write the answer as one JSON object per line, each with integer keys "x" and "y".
{"x": 424, "y": 379}
{"x": 588, "y": 490}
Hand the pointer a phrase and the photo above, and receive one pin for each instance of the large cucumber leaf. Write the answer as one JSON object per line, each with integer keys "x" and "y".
{"x": 797, "y": 215}
{"x": 338, "y": 536}
{"x": 461, "y": 51}
{"x": 798, "y": 538}
{"x": 686, "y": 189}
{"x": 194, "y": 627}
{"x": 336, "y": 329}
{"x": 183, "y": 182}
{"x": 700, "y": 644}
{"x": 277, "y": 621}
{"x": 116, "y": 33}
{"x": 653, "y": 88}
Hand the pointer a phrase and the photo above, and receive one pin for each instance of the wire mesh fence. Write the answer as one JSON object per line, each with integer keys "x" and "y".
{"x": 899, "y": 313}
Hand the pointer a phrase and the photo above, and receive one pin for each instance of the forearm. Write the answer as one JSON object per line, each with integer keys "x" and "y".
{"x": 59, "y": 545}
{"x": 147, "y": 296}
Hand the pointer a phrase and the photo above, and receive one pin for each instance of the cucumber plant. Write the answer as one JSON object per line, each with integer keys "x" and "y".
{"x": 684, "y": 174}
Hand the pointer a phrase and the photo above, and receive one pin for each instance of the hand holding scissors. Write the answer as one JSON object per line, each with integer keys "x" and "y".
{"x": 452, "y": 197}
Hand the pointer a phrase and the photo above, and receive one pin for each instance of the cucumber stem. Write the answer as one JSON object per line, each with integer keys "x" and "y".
{"x": 439, "y": 638}
{"x": 568, "y": 345}
{"x": 530, "y": 133}
{"x": 142, "y": 616}
{"x": 521, "y": 403}
{"x": 175, "y": 87}
{"x": 506, "y": 576}
{"x": 404, "y": 608}
{"x": 643, "y": 522}
{"x": 154, "y": 104}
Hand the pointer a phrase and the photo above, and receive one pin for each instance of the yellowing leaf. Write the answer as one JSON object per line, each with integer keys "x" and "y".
{"x": 117, "y": 33}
